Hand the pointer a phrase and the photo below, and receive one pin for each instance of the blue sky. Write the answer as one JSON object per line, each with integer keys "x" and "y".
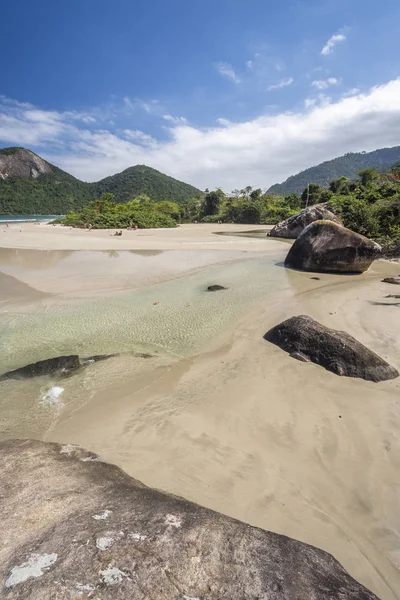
{"x": 217, "y": 93}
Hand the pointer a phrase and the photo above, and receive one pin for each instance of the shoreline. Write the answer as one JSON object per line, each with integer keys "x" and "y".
{"x": 183, "y": 237}
{"x": 240, "y": 426}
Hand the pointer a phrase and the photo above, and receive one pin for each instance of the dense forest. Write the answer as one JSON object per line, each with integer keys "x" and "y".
{"x": 344, "y": 166}
{"x": 57, "y": 192}
{"x": 369, "y": 205}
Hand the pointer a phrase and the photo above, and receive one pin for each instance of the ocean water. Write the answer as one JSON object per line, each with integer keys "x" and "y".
{"x": 28, "y": 218}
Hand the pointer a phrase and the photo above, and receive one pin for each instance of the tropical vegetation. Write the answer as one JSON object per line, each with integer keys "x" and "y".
{"x": 140, "y": 212}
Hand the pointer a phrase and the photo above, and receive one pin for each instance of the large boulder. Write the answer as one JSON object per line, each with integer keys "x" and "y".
{"x": 75, "y": 527}
{"x": 327, "y": 246}
{"x": 337, "y": 351}
{"x": 50, "y": 366}
{"x": 294, "y": 225}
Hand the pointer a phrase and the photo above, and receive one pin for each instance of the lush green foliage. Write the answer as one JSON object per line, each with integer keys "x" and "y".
{"x": 369, "y": 205}
{"x": 242, "y": 206}
{"x": 348, "y": 166}
{"x": 61, "y": 193}
{"x": 104, "y": 213}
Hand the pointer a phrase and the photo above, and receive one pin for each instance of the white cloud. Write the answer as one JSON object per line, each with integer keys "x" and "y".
{"x": 249, "y": 64}
{"x": 352, "y": 92}
{"x": 227, "y": 71}
{"x": 309, "y": 102}
{"x": 323, "y": 84}
{"x": 223, "y": 122}
{"x": 175, "y": 120}
{"x": 256, "y": 152}
{"x": 331, "y": 43}
{"x": 281, "y": 84}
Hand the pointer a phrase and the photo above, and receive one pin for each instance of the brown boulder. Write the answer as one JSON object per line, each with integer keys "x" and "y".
{"x": 337, "y": 351}
{"x": 294, "y": 225}
{"x": 76, "y": 527}
{"x": 325, "y": 246}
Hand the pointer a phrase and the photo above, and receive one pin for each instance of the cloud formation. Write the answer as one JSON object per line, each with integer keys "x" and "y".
{"x": 332, "y": 42}
{"x": 323, "y": 84}
{"x": 228, "y": 72}
{"x": 281, "y": 84}
{"x": 257, "y": 152}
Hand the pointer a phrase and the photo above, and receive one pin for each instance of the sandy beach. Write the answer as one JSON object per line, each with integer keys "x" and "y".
{"x": 233, "y": 423}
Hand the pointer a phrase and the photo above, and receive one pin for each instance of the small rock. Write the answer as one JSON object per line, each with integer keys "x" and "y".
{"x": 215, "y": 288}
{"x": 394, "y": 280}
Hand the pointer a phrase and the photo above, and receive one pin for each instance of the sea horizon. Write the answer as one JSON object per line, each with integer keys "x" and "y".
{"x": 27, "y": 218}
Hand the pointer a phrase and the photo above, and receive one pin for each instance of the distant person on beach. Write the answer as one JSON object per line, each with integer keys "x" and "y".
{"x": 7, "y": 224}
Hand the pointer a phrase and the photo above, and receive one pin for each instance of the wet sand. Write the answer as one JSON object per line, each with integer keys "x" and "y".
{"x": 242, "y": 428}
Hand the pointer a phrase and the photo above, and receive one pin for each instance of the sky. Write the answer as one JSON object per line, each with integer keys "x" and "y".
{"x": 217, "y": 93}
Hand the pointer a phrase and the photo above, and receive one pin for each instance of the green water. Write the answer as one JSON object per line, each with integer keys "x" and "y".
{"x": 185, "y": 317}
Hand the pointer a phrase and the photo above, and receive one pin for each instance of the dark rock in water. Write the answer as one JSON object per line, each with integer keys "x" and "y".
{"x": 394, "y": 280}
{"x": 75, "y": 527}
{"x": 294, "y": 225}
{"x": 328, "y": 247}
{"x": 50, "y": 366}
{"x": 215, "y": 288}
{"x": 316, "y": 278}
{"x": 336, "y": 351}
{"x": 393, "y": 296}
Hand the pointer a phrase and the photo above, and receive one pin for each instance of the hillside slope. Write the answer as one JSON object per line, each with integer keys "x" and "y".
{"x": 145, "y": 180}
{"x": 31, "y": 185}
{"x": 347, "y": 165}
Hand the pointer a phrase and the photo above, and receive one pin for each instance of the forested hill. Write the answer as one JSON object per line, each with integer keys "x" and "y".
{"x": 31, "y": 185}
{"x": 145, "y": 180}
{"x": 347, "y": 166}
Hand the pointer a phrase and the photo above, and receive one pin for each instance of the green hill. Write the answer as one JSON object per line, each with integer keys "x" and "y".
{"x": 145, "y": 180}
{"x": 347, "y": 166}
{"x": 31, "y": 185}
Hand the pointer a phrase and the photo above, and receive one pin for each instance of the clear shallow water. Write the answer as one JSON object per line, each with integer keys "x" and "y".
{"x": 175, "y": 317}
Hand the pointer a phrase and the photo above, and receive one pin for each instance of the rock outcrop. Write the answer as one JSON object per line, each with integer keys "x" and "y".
{"x": 325, "y": 246}
{"x": 22, "y": 163}
{"x": 336, "y": 351}
{"x": 293, "y": 226}
{"x": 75, "y": 527}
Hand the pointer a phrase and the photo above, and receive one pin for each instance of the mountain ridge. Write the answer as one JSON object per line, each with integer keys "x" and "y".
{"x": 31, "y": 185}
{"x": 346, "y": 165}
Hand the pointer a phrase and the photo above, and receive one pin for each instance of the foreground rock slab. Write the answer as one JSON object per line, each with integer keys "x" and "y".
{"x": 75, "y": 527}
{"x": 325, "y": 246}
{"x": 294, "y": 225}
{"x": 336, "y": 351}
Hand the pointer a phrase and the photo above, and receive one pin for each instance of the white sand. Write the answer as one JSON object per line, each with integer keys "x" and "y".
{"x": 248, "y": 431}
{"x": 48, "y": 237}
